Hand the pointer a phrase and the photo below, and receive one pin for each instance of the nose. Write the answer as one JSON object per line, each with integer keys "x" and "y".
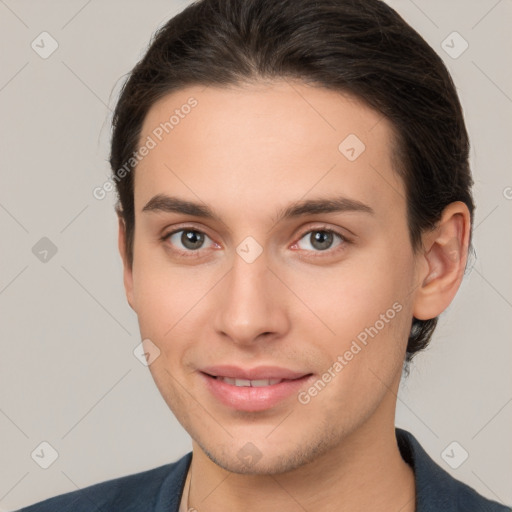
{"x": 252, "y": 304}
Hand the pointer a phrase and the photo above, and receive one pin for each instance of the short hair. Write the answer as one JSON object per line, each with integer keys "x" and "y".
{"x": 360, "y": 47}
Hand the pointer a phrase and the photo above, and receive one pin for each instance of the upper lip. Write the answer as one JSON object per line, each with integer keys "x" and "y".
{"x": 257, "y": 373}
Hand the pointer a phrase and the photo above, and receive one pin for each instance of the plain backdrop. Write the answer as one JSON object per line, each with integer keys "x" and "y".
{"x": 68, "y": 375}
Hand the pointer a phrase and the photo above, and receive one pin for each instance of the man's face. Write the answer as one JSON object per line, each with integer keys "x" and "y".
{"x": 254, "y": 294}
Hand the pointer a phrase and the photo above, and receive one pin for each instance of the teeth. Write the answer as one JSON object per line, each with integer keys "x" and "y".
{"x": 264, "y": 382}
{"x": 252, "y": 383}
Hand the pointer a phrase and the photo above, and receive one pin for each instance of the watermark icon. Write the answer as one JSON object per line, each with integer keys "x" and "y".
{"x": 507, "y": 192}
{"x": 304, "y": 397}
{"x": 146, "y": 352}
{"x": 249, "y": 454}
{"x": 248, "y": 249}
{"x": 351, "y": 147}
{"x": 44, "y": 250}
{"x": 454, "y": 45}
{"x": 44, "y": 45}
{"x": 44, "y": 455}
{"x": 454, "y": 455}
{"x": 149, "y": 144}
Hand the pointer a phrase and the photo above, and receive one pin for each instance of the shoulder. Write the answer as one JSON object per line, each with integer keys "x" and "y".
{"x": 436, "y": 489}
{"x": 153, "y": 490}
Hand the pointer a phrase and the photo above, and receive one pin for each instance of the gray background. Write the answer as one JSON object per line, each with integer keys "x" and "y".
{"x": 68, "y": 375}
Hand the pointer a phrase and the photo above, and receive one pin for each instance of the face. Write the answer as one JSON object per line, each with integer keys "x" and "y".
{"x": 273, "y": 271}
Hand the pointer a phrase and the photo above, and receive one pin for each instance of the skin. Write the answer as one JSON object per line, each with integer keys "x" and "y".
{"x": 247, "y": 152}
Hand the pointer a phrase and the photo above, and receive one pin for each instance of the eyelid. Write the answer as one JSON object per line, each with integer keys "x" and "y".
{"x": 184, "y": 227}
{"x": 311, "y": 229}
{"x": 326, "y": 228}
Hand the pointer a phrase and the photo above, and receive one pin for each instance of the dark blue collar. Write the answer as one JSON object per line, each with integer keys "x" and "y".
{"x": 436, "y": 489}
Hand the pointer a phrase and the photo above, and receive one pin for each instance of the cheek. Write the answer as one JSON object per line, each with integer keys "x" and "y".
{"x": 172, "y": 302}
{"x": 155, "y": 306}
{"x": 363, "y": 299}
{"x": 364, "y": 304}
{"x": 161, "y": 293}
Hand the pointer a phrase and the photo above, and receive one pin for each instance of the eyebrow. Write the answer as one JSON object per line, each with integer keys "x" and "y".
{"x": 328, "y": 205}
{"x": 169, "y": 204}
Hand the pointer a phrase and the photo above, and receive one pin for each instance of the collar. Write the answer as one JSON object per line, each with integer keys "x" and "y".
{"x": 436, "y": 489}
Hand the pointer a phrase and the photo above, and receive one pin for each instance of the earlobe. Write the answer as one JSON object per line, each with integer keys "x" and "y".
{"x": 444, "y": 256}
{"x": 127, "y": 268}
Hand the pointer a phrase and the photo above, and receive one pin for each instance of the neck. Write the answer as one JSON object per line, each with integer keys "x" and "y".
{"x": 366, "y": 469}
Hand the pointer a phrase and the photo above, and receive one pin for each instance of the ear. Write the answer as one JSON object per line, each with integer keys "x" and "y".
{"x": 127, "y": 268}
{"x": 442, "y": 261}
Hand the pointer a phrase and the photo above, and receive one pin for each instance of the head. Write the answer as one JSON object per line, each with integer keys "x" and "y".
{"x": 256, "y": 117}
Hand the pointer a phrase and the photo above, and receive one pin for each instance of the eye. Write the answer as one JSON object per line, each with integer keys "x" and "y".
{"x": 187, "y": 240}
{"x": 319, "y": 240}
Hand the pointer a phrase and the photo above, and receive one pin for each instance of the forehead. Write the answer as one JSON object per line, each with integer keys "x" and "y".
{"x": 266, "y": 143}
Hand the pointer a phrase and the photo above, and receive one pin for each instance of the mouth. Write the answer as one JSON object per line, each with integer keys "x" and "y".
{"x": 253, "y": 390}
{"x": 257, "y": 383}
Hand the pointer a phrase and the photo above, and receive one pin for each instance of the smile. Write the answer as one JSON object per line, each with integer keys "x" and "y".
{"x": 258, "y": 383}
{"x": 252, "y": 390}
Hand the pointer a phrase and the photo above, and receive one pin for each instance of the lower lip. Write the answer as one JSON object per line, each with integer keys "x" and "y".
{"x": 252, "y": 399}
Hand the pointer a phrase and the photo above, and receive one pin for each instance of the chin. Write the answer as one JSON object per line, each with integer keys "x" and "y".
{"x": 264, "y": 458}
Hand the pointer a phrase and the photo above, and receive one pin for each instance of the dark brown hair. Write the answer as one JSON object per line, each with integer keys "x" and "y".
{"x": 361, "y": 47}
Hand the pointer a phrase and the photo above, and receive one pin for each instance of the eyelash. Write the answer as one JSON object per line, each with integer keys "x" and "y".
{"x": 324, "y": 229}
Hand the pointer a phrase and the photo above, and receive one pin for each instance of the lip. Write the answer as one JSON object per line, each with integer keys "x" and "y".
{"x": 253, "y": 399}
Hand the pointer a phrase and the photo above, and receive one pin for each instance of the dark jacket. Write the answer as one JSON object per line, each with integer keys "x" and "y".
{"x": 160, "y": 489}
